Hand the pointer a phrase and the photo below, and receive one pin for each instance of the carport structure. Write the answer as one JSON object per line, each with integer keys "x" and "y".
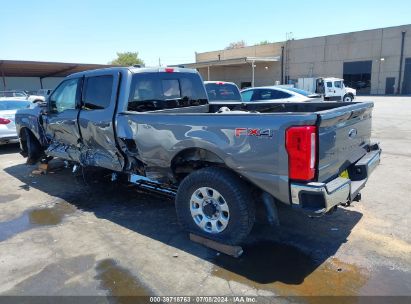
{"x": 41, "y": 70}
{"x": 241, "y": 61}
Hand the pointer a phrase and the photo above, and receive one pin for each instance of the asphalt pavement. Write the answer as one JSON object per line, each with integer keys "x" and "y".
{"x": 78, "y": 234}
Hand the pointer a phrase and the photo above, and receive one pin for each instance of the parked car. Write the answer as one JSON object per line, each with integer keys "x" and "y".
{"x": 8, "y": 108}
{"x": 44, "y": 92}
{"x": 222, "y": 91}
{"x": 264, "y": 99}
{"x": 21, "y": 95}
{"x": 277, "y": 94}
{"x": 155, "y": 127}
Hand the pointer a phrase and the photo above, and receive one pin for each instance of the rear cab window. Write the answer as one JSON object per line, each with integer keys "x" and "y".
{"x": 161, "y": 90}
{"x": 222, "y": 91}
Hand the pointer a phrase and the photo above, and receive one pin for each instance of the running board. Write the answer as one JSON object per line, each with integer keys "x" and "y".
{"x": 151, "y": 185}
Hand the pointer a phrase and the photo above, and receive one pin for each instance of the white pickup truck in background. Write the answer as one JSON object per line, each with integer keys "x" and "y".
{"x": 329, "y": 87}
{"x": 21, "y": 95}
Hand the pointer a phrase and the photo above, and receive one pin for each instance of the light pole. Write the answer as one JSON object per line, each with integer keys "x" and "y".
{"x": 253, "y": 73}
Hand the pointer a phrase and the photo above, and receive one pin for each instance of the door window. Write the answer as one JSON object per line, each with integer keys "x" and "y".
{"x": 276, "y": 94}
{"x": 337, "y": 84}
{"x": 329, "y": 84}
{"x": 265, "y": 94}
{"x": 246, "y": 96}
{"x": 261, "y": 95}
{"x": 65, "y": 96}
{"x": 98, "y": 92}
{"x": 269, "y": 94}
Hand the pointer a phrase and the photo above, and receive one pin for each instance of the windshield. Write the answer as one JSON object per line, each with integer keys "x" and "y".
{"x": 13, "y": 105}
{"x": 222, "y": 92}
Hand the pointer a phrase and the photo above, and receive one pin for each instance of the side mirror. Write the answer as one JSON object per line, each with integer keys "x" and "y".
{"x": 44, "y": 109}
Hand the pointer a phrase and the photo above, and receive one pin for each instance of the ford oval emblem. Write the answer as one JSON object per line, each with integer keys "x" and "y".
{"x": 352, "y": 133}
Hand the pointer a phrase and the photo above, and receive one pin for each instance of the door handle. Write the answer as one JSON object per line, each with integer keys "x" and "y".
{"x": 102, "y": 124}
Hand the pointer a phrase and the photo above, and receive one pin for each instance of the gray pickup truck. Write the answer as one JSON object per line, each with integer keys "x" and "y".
{"x": 155, "y": 126}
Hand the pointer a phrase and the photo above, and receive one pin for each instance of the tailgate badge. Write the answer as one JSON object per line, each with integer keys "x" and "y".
{"x": 352, "y": 133}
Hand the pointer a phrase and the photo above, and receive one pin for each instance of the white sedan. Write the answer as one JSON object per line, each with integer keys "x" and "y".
{"x": 272, "y": 94}
{"x": 8, "y": 109}
{"x": 20, "y": 95}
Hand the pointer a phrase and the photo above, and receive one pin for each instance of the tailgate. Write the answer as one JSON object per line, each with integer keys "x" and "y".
{"x": 344, "y": 137}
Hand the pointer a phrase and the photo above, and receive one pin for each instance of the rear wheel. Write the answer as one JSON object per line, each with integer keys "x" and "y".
{"x": 216, "y": 203}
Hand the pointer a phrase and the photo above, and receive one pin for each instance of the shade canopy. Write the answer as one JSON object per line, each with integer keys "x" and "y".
{"x": 17, "y": 68}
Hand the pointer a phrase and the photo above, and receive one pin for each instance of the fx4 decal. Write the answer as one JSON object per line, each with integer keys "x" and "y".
{"x": 254, "y": 132}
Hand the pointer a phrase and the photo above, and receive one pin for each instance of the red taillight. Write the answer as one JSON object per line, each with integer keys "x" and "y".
{"x": 220, "y": 83}
{"x": 169, "y": 70}
{"x": 301, "y": 147}
{"x": 4, "y": 121}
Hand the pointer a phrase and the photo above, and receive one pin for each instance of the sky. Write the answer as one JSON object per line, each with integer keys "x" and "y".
{"x": 92, "y": 31}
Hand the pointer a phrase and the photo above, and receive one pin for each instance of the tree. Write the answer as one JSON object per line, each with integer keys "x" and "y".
{"x": 127, "y": 59}
{"x": 236, "y": 45}
{"x": 263, "y": 42}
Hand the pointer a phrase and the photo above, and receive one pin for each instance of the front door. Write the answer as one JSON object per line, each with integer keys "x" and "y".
{"x": 334, "y": 89}
{"x": 389, "y": 85}
{"x": 96, "y": 120}
{"x": 61, "y": 124}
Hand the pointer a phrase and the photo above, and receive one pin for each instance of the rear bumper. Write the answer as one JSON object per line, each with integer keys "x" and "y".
{"x": 322, "y": 197}
{"x": 9, "y": 139}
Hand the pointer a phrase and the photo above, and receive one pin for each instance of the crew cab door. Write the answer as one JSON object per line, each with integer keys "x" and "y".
{"x": 96, "y": 120}
{"x": 334, "y": 89}
{"x": 61, "y": 122}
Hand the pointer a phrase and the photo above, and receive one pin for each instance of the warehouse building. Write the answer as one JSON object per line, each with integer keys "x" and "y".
{"x": 35, "y": 75}
{"x": 373, "y": 61}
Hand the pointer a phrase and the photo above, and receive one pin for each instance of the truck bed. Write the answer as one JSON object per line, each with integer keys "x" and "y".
{"x": 295, "y": 107}
{"x": 163, "y": 134}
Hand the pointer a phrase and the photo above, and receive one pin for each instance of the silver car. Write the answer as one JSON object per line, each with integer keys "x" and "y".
{"x": 8, "y": 109}
{"x": 277, "y": 94}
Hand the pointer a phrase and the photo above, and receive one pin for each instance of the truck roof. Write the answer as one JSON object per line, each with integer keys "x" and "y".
{"x": 331, "y": 78}
{"x": 219, "y": 82}
{"x": 136, "y": 70}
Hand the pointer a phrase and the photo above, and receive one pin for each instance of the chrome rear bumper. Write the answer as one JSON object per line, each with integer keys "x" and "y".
{"x": 8, "y": 140}
{"x": 322, "y": 197}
